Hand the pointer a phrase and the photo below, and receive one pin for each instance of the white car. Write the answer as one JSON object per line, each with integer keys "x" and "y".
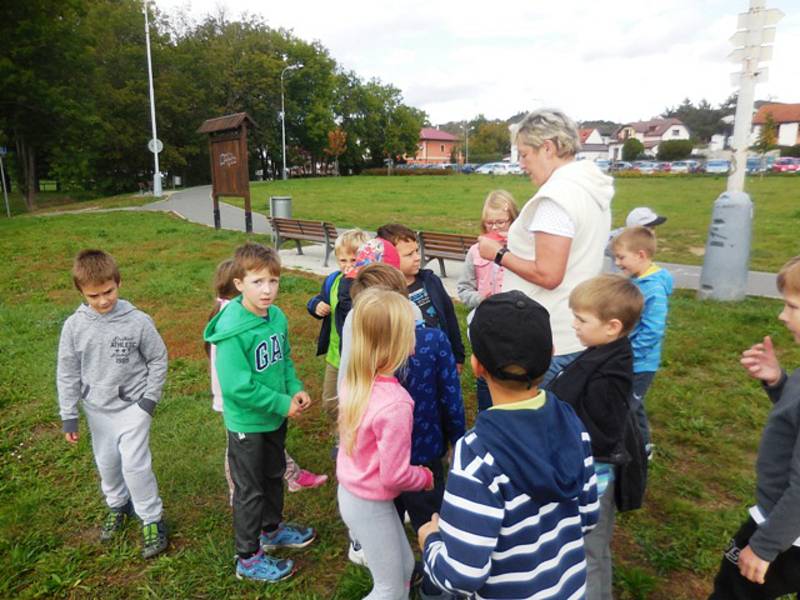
{"x": 496, "y": 168}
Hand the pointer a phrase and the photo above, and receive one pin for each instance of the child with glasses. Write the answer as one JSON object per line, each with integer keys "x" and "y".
{"x": 481, "y": 278}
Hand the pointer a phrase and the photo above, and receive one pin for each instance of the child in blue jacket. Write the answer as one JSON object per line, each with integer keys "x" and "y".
{"x": 634, "y": 250}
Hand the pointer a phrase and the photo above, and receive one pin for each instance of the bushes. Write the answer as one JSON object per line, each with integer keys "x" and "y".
{"x": 632, "y": 149}
{"x": 382, "y": 172}
{"x": 675, "y": 150}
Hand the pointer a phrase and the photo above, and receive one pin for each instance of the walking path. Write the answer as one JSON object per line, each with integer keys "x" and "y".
{"x": 195, "y": 205}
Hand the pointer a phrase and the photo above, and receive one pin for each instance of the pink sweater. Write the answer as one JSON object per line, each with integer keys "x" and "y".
{"x": 379, "y": 467}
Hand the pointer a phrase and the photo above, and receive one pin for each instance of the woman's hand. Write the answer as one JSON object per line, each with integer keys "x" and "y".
{"x": 488, "y": 247}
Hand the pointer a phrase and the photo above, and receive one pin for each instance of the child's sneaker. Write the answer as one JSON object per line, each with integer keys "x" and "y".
{"x": 115, "y": 521}
{"x": 155, "y": 539}
{"x": 261, "y": 567}
{"x": 287, "y": 535}
{"x": 306, "y": 480}
{"x": 355, "y": 553}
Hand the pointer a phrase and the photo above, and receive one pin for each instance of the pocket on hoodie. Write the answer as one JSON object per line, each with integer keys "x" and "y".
{"x": 103, "y": 397}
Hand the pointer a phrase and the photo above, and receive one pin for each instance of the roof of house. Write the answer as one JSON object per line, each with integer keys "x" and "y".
{"x": 429, "y": 133}
{"x": 654, "y": 127}
{"x": 594, "y": 148}
{"x": 585, "y": 133}
{"x": 781, "y": 113}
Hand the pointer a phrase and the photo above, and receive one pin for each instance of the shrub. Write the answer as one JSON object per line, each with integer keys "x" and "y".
{"x": 791, "y": 150}
{"x": 675, "y": 150}
{"x": 632, "y": 149}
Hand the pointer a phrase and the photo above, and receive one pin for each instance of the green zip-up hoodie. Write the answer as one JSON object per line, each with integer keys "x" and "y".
{"x": 254, "y": 365}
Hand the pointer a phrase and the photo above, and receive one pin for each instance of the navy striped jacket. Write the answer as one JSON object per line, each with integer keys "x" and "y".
{"x": 520, "y": 495}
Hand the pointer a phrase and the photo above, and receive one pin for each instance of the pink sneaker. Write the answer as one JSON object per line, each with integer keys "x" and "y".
{"x": 306, "y": 480}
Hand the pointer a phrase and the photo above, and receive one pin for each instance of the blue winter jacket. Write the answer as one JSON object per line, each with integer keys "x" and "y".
{"x": 646, "y": 339}
{"x": 431, "y": 378}
{"x": 445, "y": 310}
{"x": 323, "y": 296}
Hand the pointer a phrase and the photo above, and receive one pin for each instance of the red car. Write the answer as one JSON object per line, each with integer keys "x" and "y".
{"x": 786, "y": 164}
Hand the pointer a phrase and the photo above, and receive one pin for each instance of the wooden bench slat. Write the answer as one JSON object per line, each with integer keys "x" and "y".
{"x": 434, "y": 245}
{"x": 302, "y": 229}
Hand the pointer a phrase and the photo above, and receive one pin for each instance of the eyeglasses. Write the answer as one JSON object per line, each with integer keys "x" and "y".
{"x": 493, "y": 224}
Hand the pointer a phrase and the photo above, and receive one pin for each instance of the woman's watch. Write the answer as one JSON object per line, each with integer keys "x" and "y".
{"x": 498, "y": 258}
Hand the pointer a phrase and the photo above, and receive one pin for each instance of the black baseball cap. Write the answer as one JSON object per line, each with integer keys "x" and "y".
{"x": 512, "y": 329}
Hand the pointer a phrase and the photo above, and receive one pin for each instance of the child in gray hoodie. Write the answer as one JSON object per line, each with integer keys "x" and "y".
{"x": 112, "y": 358}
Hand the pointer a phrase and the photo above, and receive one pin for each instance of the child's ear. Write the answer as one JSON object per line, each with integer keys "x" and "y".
{"x": 239, "y": 284}
{"x": 477, "y": 368}
{"x": 614, "y": 327}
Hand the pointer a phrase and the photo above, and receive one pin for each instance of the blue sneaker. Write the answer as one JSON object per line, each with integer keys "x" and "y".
{"x": 287, "y": 535}
{"x": 261, "y": 567}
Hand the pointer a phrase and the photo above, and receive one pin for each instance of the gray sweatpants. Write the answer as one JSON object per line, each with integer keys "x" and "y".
{"x": 121, "y": 444}
{"x": 597, "y": 544}
{"x": 380, "y": 532}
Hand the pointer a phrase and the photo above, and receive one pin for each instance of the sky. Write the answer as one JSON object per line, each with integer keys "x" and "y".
{"x": 618, "y": 60}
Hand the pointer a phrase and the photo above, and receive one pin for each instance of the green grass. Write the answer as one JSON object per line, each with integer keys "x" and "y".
{"x": 454, "y": 204}
{"x": 706, "y": 416}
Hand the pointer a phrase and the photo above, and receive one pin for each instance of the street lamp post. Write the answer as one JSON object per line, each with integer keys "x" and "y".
{"x": 283, "y": 115}
{"x": 155, "y": 150}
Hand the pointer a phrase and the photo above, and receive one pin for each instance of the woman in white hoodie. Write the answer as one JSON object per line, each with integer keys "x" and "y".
{"x": 560, "y": 235}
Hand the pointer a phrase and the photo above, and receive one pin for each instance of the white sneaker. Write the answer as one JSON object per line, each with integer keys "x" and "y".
{"x": 355, "y": 553}
{"x": 406, "y": 519}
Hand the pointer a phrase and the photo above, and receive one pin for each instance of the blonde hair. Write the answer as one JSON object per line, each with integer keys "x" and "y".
{"x": 609, "y": 297}
{"x": 789, "y": 277}
{"x": 350, "y": 241}
{"x": 379, "y": 275}
{"x": 499, "y": 200}
{"x": 94, "y": 267}
{"x": 548, "y": 124}
{"x": 637, "y": 239}
{"x": 383, "y": 338}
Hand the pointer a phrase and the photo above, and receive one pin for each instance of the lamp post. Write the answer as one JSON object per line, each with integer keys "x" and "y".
{"x": 283, "y": 115}
{"x": 154, "y": 142}
{"x": 466, "y": 142}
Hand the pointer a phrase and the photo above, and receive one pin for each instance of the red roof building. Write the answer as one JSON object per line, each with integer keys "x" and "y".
{"x": 786, "y": 118}
{"x": 435, "y": 147}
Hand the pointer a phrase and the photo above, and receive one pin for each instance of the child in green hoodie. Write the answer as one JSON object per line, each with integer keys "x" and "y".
{"x": 259, "y": 389}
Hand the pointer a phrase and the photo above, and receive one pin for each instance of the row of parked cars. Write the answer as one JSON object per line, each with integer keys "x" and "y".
{"x": 714, "y": 166}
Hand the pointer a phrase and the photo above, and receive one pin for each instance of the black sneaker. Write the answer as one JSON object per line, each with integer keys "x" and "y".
{"x": 115, "y": 521}
{"x": 155, "y": 539}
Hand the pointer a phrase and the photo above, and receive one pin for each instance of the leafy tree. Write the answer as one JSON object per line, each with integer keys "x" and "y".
{"x": 791, "y": 150}
{"x": 632, "y": 149}
{"x": 702, "y": 120}
{"x": 675, "y": 149}
{"x": 768, "y": 136}
{"x": 337, "y": 144}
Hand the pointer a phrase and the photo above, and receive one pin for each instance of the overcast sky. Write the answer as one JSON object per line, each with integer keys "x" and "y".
{"x": 621, "y": 60}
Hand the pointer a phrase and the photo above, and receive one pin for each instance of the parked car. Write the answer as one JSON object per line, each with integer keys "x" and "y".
{"x": 496, "y": 168}
{"x": 685, "y": 166}
{"x": 603, "y": 164}
{"x": 759, "y": 164}
{"x": 644, "y": 166}
{"x": 718, "y": 167}
{"x": 664, "y": 167}
{"x": 786, "y": 164}
{"x": 620, "y": 165}
{"x": 469, "y": 168}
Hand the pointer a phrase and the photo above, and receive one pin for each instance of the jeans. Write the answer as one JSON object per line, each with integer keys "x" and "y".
{"x": 641, "y": 383}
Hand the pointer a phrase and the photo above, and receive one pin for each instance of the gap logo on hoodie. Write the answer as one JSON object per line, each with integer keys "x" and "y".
{"x": 268, "y": 352}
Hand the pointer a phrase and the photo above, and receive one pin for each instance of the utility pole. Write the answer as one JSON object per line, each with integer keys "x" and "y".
{"x": 727, "y": 256}
{"x": 283, "y": 116}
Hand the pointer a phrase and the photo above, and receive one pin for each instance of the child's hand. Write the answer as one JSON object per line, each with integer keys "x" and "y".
{"x": 300, "y": 401}
{"x": 430, "y": 527}
{"x": 432, "y": 483}
{"x": 71, "y": 437}
{"x": 761, "y": 363}
{"x": 323, "y": 309}
{"x": 751, "y": 566}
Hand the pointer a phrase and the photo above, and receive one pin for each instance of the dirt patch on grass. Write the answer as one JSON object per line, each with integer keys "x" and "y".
{"x": 683, "y": 585}
{"x": 697, "y": 250}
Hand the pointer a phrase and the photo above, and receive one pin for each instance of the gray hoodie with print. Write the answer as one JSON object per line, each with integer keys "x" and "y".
{"x": 109, "y": 361}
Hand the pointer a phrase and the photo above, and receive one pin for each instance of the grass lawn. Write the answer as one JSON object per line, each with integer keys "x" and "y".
{"x": 705, "y": 413}
{"x": 454, "y": 204}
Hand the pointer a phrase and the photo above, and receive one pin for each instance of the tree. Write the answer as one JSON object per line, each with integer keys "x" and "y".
{"x": 702, "y": 120}
{"x": 675, "y": 150}
{"x": 337, "y": 144}
{"x": 632, "y": 149}
{"x": 768, "y": 136}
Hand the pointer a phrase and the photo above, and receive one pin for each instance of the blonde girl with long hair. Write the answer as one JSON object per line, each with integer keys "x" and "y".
{"x": 375, "y": 422}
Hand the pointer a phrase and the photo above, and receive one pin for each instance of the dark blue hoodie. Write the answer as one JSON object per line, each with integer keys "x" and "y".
{"x": 520, "y": 495}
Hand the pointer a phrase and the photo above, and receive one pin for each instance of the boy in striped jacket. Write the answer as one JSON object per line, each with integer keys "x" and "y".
{"x": 521, "y": 491}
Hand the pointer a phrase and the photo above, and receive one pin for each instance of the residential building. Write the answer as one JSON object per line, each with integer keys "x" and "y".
{"x": 592, "y": 144}
{"x": 435, "y": 147}
{"x": 787, "y": 120}
{"x": 651, "y": 133}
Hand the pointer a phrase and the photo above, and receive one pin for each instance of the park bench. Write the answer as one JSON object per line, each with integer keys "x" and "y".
{"x": 303, "y": 230}
{"x": 452, "y": 246}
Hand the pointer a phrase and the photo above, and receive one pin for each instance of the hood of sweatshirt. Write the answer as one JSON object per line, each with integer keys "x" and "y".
{"x": 540, "y": 450}
{"x": 120, "y": 311}
{"x": 232, "y": 320}
{"x": 586, "y": 175}
{"x": 659, "y": 276}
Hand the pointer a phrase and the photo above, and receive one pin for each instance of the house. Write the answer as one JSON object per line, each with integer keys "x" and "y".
{"x": 435, "y": 147}
{"x": 787, "y": 120}
{"x": 592, "y": 144}
{"x": 651, "y": 133}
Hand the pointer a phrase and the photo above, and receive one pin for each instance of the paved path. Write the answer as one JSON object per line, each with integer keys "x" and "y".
{"x": 194, "y": 204}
